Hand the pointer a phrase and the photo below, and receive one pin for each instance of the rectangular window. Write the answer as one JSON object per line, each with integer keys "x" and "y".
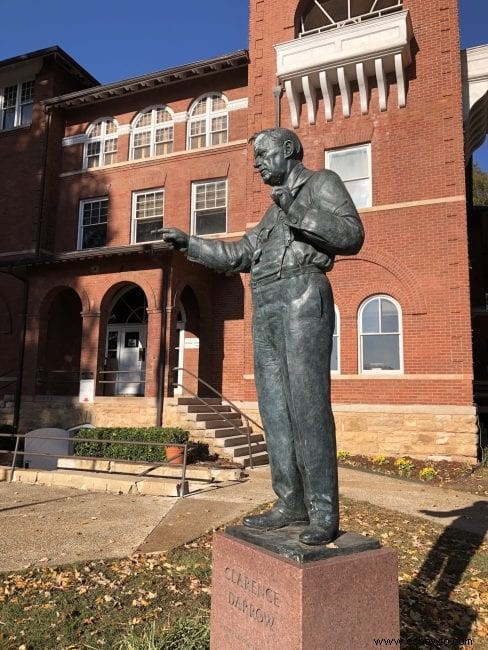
{"x": 92, "y": 231}
{"x": 147, "y": 215}
{"x": 353, "y": 165}
{"x": 209, "y": 207}
{"x": 16, "y": 104}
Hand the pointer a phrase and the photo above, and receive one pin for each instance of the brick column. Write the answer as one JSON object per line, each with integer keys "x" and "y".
{"x": 153, "y": 351}
{"x": 31, "y": 359}
{"x": 90, "y": 341}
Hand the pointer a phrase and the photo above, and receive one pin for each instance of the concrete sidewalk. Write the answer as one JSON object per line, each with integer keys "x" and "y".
{"x": 59, "y": 525}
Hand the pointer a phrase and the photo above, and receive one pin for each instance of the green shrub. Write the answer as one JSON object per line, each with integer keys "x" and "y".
{"x": 343, "y": 454}
{"x": 380, "y": 459}
{"x": 112, "y": 448}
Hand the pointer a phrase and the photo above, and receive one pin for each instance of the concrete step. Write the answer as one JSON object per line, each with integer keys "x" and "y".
{"x": 243, "y": 450}
{"x": 200, "y": 473}
{"x": 231, "y": 432}
{"x": 116, "y": 483}
{"x": 201, "y": 408}
{"x": 193, "y": 401}
{"x": 210, "y": 417}
{"x": 217, "y": 424}
{"x": 257, "y": 459}
{"x": 236, "y": 441}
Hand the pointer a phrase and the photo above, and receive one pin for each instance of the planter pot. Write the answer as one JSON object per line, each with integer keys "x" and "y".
{"x": 174, "y": 455}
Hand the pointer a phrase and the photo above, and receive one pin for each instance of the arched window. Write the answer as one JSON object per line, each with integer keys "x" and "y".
{"x": 208, "y": 122}
{"x": 152, "y": 133}
{"x": 101, "y": 143}
{"x": 320, "y": 15}
{"x": 380, "y": 335}
{"x": 336, "y": 339}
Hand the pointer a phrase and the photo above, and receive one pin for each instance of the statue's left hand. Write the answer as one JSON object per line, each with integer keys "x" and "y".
{"x": 282, "y": 196}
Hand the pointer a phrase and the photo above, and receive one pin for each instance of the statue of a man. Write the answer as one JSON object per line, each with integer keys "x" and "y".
{"x": 312, "y": 219}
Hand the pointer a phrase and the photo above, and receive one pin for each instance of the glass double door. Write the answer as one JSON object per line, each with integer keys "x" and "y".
{"x": 125, "y": 359}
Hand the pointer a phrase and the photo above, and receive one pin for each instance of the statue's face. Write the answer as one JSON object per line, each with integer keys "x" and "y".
{"x": 270, "y": 160}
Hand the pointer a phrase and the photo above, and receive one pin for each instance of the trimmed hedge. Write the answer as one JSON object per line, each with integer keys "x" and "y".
{"x": 119, "y": 451}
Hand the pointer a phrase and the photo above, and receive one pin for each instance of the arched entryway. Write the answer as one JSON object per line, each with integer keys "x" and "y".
{"x": 125, "y": 345}
{"x": 59, "y": 368}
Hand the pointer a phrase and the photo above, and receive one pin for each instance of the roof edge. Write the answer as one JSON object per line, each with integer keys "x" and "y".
{"x": 48, "y": 51}
{"x": 146, "y": 81}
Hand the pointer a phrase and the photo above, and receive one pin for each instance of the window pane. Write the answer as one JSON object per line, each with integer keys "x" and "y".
{"x": 334, "y": 361}
{"x": 200, "y": 108}
{"x": 26, "y": 114}
{"x": 210, "y": 221}
{"x": 144, "y": 119}
{"x": 359, "y": 191}
{"x": 9, "y": 96}
{"x": 94, "y": 236}
{"x": 381, "y": 352}
{"x": 27, "y": 92}
{"x": 9, "y": 118}
{"x": 370, "y": 320}
{"x": 145, "y": 227}
{"x": 389, "y": 316}
{"x": 350, "y": 164}
{"x": 218, "y": 103}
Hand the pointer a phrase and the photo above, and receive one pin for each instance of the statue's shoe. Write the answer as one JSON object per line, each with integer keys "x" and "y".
{"x": 274, "y": 519}
{"x": 317, "y": 534}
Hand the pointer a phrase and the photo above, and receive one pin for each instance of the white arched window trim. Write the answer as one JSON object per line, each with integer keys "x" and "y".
{"x": 399, "y": 334}
{"x": 210, "y": 127}
{"x": 155, "y": 138}
{"x": 336, "y": 345}
{"x": 100, "y": 150}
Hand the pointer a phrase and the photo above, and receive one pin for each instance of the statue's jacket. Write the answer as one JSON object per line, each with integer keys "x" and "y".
{"x": 322, "y": 222}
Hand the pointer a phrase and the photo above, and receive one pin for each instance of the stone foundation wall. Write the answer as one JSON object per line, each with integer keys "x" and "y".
{"x": 423, "y": 432}
{"x": 67, "y": 412}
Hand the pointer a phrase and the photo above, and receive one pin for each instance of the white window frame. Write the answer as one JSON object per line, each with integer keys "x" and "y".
{"x": 103, "y": 139}
{"x": 18, "y": 106}
{"x": 352, "y": 17}
{"x": 83, "y": 202}
{"x": 380, "y": 371}
{"x": 336, "y": 338}
{"x": 367, "y": 147}
{"x": 210, "y": 181}
{"x": 135, "y": 220}
{"x": 152, "y": 129}
{"x": 207, "y": 117}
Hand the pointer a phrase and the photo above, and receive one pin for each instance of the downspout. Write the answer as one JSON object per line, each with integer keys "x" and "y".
{"x": 167, "y": 275}
{"x": 43, "y": 183}
{"x": 277, "y": 92}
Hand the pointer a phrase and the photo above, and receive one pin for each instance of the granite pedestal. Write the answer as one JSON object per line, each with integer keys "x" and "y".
{"x": 343, "y": 595}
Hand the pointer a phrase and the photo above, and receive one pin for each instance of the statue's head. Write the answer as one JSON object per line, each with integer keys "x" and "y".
{"x": 276, "y": 152}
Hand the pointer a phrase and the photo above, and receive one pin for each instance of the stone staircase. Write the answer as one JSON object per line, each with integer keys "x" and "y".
{"x": 222, "y": 428}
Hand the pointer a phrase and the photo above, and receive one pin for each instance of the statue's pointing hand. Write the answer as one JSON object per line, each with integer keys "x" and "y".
{"x": 173, "y": 236}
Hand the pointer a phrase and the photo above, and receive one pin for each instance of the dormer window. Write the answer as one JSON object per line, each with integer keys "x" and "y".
{"x": 321, "y": 15}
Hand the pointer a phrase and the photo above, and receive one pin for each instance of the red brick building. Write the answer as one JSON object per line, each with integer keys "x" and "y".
{"x": 377, "y": 90}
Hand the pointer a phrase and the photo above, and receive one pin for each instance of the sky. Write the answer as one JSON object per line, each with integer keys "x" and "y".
{"x": 118, "y": 40}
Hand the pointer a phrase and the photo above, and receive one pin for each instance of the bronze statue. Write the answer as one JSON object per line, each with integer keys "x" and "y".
{"x": 312, "y": 219}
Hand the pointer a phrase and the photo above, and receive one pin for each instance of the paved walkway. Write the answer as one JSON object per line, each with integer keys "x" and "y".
{"x": 59, "y": 525}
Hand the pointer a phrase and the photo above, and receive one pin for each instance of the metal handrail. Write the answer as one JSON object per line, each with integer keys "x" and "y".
{"x": 246, "y": 417}
{"x": 142, "y": 443}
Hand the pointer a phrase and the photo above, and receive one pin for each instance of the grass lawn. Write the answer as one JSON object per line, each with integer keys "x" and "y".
{"x": 163, "y": 601}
